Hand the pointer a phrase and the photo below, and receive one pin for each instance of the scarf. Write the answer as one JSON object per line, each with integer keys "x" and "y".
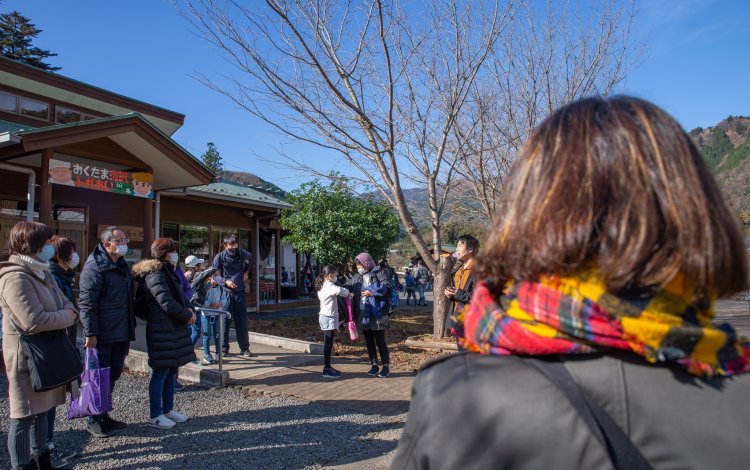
{"x": 578, "y": 316}
{"x": 37, "y": 267}
{"x": 461, "y": 275}
{"x": 365, "y": 260}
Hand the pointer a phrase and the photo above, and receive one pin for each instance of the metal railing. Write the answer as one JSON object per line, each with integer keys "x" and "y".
{"x": 217, "y": 315}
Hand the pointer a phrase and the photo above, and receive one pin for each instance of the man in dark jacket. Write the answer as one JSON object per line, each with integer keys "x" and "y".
{"x": 421, "y": 279}
{"x": 462, "y": 280}
{"x": 234, "y": 264}
{"x": 107, "y": 315}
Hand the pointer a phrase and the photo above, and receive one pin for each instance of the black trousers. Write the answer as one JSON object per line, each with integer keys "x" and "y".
{"x": 112, "y": 355}
{"x": 375, "y": 338}
{"x": 328, "y": 346}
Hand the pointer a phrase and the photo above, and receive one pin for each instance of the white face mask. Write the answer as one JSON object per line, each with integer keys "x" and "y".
{"x": 174, "y": 258}
{"x": 74, "y": 260}
{"x": 361, "y": 270}
{"x": 121, "y": 250}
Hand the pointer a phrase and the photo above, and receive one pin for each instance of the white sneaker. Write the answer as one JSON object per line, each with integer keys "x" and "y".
{"x": 176, "y": 416}
{"x": 161, "y": 422}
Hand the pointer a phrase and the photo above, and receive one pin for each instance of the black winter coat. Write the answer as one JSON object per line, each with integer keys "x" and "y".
{"x": 472, "y": 411}
{"x": 462, "y": 296}
{"x": 167, "y": 313}
{"x": 106, "y": 298}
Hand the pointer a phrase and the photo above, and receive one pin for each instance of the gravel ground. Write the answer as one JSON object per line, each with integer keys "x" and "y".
{"x": 227, "y": 429}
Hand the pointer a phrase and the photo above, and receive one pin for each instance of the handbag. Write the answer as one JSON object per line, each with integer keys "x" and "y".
{"x": 52, "y": 359}
{"x": 96, "y": 395}
{"x": 353, "y": 334}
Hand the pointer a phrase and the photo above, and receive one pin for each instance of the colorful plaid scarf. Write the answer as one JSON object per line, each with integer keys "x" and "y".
{"x": 577, "y": 316}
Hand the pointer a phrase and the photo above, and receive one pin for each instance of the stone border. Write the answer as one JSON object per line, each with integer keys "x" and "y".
{"x": 286, "y": 343}
{"x": 138, "y": 361}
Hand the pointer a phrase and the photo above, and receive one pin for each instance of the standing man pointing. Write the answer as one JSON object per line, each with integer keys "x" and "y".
{"x": 234, "y": 265}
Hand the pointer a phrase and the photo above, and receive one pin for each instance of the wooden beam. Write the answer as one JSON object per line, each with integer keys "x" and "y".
{"x": 45, "y": 189}
{"x": 148, "y": 227}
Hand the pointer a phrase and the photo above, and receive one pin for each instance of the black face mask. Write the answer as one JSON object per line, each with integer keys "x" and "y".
{"x": 233, "y": 251}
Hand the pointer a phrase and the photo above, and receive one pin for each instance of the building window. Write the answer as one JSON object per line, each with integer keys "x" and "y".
{"x": 8, "y": 102}
{"x": 34, "y": 109}
{"x": 67, "y": 115}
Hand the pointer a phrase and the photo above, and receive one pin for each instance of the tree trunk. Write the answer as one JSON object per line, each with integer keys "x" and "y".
{"x": 441, "y": 303}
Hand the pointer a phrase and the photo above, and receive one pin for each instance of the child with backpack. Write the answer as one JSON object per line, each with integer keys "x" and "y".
{"x": 411, "y": 291}
{"x": 328, "y": 294}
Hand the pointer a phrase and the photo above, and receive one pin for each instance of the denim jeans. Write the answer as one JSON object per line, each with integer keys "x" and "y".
{"x": 420, "y": 291}
{"x": 238, "y": 309}
{"x": 112, "y": 355}
{"x": 195, "y": 328}
{"x": 210, "y": 330}
{"x": 161, "y": 390}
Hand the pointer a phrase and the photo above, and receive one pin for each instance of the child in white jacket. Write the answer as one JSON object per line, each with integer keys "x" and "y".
{"x": 328, "y": 294}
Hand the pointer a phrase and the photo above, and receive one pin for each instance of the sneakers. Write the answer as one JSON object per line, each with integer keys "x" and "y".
{"x": 373, "y": 371}
{"x": 331, "y": 373}
{"x": 96, "y": 429}
{"x": 384, "y": 373}
{"x": 59, "y": 457}
{"x": 247, "y": 353}
{"x": 161, "y": 422}
{"x": 196, "y": 362}
{"x": 208, "y": 360}
{"x": 176, "y": 416}
{"x": 178, "y": 387}
{"x": 225, "y": 353}
{"x": 112, "y": 424}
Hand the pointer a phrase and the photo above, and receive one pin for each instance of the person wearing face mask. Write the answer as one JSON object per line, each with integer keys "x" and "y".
{"x": 62, "y": 266}
{"x": 462, "y": 281}
{"x": 234, "y": 264}
{"x": 107, "y": 313}
{"x": 168, "y": 313}
{"x": 31, "y": 303}
{"x": 371, "y": 292}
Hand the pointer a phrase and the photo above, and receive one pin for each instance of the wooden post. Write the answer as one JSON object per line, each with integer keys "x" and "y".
{"x": 256, "y": 244}
{"x": 45, "y": 190}
{"x": 148, "y": 227}
{"x": 278, "y": 265}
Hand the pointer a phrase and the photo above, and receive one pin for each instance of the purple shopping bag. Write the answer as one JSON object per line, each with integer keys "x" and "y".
{"x": 96, "y": 396}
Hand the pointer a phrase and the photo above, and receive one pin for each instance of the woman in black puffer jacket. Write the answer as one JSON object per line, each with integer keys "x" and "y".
{"x": 167, "y": 338}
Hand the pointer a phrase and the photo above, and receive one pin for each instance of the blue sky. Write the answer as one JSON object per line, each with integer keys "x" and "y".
{"x": 696, "y": 66}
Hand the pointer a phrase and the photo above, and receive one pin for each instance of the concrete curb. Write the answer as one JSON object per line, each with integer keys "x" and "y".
{"x": 286, "y": 343}
{"x": 138, "y": 361}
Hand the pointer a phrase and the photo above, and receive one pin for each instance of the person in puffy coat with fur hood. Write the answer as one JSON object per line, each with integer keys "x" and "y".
{"x": 161, "y": 301}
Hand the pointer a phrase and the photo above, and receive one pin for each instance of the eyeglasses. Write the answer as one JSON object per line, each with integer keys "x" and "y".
{"x": 120, "y": 240}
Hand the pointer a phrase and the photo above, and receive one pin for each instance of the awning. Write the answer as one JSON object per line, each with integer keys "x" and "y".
{"x": 172, "y": 165}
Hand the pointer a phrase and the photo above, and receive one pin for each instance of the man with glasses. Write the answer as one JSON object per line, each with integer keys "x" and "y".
{"x": 107, "y": 315}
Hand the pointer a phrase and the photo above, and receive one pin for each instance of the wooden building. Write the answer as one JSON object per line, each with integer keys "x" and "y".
{"x": 79, "y": 158}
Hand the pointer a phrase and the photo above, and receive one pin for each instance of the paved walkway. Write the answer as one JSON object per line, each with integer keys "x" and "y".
{"x": 276, "y": 370}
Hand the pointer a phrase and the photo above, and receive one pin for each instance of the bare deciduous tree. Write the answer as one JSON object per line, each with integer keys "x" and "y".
{"x": 548, "y": 57}
{"x": 380, "y": 84}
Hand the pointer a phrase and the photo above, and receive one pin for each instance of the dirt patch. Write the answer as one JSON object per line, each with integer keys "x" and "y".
{"x": 406, "y": 322}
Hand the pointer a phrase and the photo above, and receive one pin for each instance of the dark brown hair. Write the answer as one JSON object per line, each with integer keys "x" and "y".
{"x": 64, "y": 248}
{"x": 615, "y": 185}
{"x": 161, "y": 247}
{"x": 27, "y": 238}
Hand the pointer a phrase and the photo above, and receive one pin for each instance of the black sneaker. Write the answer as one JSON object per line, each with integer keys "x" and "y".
{"x": 113, "y": 424}
{"x": 96, "y": 429}
{"x": 225, "y": 353}
{"x": 178, "y": 387}
{"x": 331, "y": 373}
{"x": 384, "y": 373}
{"x": 374, "y": 370}
{"x": 247, "y": 353}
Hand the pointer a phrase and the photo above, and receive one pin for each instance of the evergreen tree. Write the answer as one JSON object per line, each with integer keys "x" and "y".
{"x": 16, "y": 34}
{"x": 212, "y": 159}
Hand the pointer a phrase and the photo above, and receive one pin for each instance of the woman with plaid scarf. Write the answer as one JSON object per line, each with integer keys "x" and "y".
{"x": 590, "y": 342}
